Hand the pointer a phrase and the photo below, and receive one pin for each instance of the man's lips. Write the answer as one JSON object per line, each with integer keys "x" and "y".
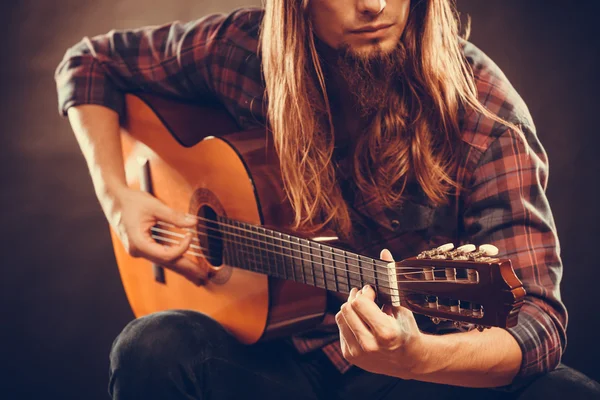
{"x": 371, "y": 28}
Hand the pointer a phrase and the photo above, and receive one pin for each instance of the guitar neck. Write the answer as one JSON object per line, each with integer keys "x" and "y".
{"x": 280, "y": 255}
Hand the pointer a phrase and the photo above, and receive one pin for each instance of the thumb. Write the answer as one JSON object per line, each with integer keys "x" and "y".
{"x": 386, "y": 255}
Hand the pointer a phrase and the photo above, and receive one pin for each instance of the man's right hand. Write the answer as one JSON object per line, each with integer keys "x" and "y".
{"x": 132, "y": 214}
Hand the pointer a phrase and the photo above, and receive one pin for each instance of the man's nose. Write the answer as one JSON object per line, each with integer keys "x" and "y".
{"x": 371, "y": 6}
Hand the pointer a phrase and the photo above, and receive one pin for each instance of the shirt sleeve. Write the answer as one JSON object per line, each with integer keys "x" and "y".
{"x": 507, "y": 206}
{"x": 173, "y": 60}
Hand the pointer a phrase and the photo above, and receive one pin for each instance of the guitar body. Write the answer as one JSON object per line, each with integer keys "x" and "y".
{"x": 167, "y": 152}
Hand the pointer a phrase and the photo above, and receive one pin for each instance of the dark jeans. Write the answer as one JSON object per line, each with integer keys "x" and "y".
{"x": 186, "y": 355}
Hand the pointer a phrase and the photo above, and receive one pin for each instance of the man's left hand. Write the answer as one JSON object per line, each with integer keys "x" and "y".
{"x": 384, "y": 341}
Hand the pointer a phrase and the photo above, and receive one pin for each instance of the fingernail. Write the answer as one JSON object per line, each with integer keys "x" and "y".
{"x": 366, "y": 287}
{"x": 190, "y": 218}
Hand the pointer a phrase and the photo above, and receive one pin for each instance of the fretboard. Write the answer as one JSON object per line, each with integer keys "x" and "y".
{"x": 280, "y": 255}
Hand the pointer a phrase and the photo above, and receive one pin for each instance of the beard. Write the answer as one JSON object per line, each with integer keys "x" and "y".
{"x": 371, "y": 77}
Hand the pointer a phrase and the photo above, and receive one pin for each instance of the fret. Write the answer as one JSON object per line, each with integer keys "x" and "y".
{"x": 307, "y": 262}
{"x": 329, "y": 268}
{"x": 340, "y": 268}
{"x": 347, "y": 269}
{"x": 318, "y": 272}
{"x": 247, "y": 233}
{"x": 322, "y": 265}
{"x": 287, "y": 253}
{"x": 375, "y": 272}
{"x": 280, "y": 254}
{"x": 354, "y": 275}
{"x": 335, "y": 278}
{"x": 368, "y": 274}
{"x": 251, "y": 243}
{"x": 284, "y": 251}
{"x": 266, "y": 242}
{"x": 262, "y": 241}
{"x": 275, "y": 254}
{"x": 242, "y": 256}
{"x": 360, "y": 271}
{"x": 298, "y": 258}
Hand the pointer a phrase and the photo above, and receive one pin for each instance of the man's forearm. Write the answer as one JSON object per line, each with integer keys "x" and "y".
{"x": 97, "y": 131}
{"x": 490, "y": 358}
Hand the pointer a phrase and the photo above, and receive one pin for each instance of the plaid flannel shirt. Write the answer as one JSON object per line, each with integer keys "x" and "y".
{"x": 505, "y": 203}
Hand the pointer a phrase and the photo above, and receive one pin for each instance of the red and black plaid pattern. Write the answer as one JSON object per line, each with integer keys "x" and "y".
{"x": 505, "y": 177}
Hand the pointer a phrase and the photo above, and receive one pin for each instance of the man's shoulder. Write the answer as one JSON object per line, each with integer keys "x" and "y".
{"x": 497, "y": 94}
{"x": 239, "y": 28}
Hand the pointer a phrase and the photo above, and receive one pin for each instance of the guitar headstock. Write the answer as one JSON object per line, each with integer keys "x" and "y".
{"x": 465, "y": 285}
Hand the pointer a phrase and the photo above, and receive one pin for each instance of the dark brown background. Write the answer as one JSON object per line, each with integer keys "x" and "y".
{"x": 62, "y": 301}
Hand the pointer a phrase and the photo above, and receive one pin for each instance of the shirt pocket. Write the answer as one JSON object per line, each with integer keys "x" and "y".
{"x": 409, "y": 217}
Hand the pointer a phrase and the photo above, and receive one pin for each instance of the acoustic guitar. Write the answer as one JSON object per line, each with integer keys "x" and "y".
{"x": 265, "y": 280}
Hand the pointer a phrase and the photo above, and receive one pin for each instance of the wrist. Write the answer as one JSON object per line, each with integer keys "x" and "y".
{"x": 110, "y": 187}
{"x": 111, "y": 198}
{"x": 429, "y": 361}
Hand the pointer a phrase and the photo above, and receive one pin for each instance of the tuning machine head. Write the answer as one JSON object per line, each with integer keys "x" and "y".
{"x": 464, "y": 252}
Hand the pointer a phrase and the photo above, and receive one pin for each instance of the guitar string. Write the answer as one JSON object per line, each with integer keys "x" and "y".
{"x": 274, "y": 245}
{"x": 400, "y": 293}
{"x": 242, "y": 229}
{"x": 380, "y": 263}
{"x": 242, "y": 251}
{"x": 384, "y": 279}
{"x": 364, "y": 269}
{"x": 349, "y": 255}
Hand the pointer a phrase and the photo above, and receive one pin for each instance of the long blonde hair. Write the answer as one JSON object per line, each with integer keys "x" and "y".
{"x": 413, "y": 138}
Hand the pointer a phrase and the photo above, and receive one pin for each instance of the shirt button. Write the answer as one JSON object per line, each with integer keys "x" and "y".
{"x": 395, "y": 224}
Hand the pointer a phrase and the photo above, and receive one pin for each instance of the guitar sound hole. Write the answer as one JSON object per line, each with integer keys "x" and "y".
{"x": 210, "y": 236}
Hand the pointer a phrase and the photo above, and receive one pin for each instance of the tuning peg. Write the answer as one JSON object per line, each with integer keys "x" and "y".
{"x": 485, "y": 253}
{"x": 455, "y": 305}
{"x": 435, "y": 320}
{"x": 461, "y": 252}
{"x": 429, "y": 273}
{"x": 437, "y": 253}
{"x": 480, "y": 328}
{"x": 445, "y": 247}
{"x": 489, "y": 250}
{"x": 432, "y": 301}
{"x": 457, "y": 324}
{"x": 477, "y": 310}
{"x": 450, "y": 274}
{"x": 467, "y": 248}
{"x": 472, "y": 275}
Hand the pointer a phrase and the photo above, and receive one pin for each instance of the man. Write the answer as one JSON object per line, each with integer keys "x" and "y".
{"x": 392, "y": 131}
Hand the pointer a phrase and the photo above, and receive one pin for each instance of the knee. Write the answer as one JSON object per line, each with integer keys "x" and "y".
{"x": 562, "y": 381}
{"x": 166, "y": 338}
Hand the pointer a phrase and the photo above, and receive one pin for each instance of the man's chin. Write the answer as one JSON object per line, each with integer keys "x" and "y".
{"x": 369, "y": 50}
